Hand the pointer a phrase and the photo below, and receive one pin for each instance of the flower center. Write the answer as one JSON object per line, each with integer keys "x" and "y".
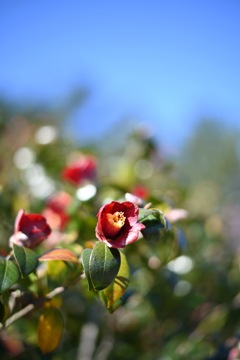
{"x": 114, "y": 223}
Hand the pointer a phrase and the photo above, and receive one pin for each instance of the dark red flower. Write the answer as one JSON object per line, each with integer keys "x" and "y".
{"x": 29, "y": 230}
{"x": 56, "y": 210}
{"x": 117, "y": 224}
{"x": 80, "y": 170}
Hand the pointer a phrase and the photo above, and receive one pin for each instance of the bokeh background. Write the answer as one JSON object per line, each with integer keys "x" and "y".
{"x": 151, "y": 89}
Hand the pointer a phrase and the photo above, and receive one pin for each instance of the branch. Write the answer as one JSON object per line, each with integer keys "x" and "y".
{"x": 31, "y": 307}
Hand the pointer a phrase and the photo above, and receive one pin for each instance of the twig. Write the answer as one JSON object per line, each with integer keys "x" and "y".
{"x": 31, "y": 307}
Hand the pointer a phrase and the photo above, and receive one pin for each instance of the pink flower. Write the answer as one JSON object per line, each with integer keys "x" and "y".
{"x": 56, "y": 210}
{"x": 80, "y": 170}
{"x": 29, "y": 230}
{"x": 233, "y": 354}
{"x": 174, "y": 215}
{"x": 134, "y": 199}
{"x": 117, "y": 224}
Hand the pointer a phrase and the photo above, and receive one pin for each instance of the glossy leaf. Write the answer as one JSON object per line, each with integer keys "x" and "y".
{"x": 9, "y": 274}
{"x": 59, "y": 254}
{"x": 104, "y": 265}
{"x": 111, "y": 295}
{"x": 50, "y": 329}
{"x": 86, "y": 254}
{"x": 26, "y": 259}
{"x": 154, "y": 222}
{"x": 149, "y": 215}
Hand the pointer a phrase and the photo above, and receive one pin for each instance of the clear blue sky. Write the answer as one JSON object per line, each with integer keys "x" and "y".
{"x": 166, "y": 63}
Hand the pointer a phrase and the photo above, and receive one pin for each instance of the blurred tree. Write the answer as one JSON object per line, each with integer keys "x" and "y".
{"x": 212, "y": 153}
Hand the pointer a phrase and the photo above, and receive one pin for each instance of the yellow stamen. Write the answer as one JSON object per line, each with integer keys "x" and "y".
{"x": 115, "y": 222}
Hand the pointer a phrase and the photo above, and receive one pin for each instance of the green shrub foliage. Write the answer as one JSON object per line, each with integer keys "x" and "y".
{"x": 114, "y": 251}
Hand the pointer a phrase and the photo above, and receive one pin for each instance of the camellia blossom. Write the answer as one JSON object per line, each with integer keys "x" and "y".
{"x": 141, "y": 191}
{"x": 56, "y": 210}
{"x": 134, "y": 199}
{"x": 29, "y": 230}
{"x": 82, "y": 169}
{"x": 174, "y": 215}
{"x": 117, "y": 224}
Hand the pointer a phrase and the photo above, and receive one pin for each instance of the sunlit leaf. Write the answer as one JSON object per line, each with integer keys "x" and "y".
{"x": 50, "y": 329}
{"x": 111, "y": 295}
{"x": 9, "y": 274}
{"x": 63, "y": 273}
{"x": 59, "y": 254}
{"x": 26, "y": 259}
{"x": 86, "y": 254}
{"x": 63, "y": 267}
{"x": 104, "y": 265}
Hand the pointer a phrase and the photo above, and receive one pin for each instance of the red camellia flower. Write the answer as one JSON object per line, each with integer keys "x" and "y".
{"x": 82, "y": 169}
{"x": 117, "y": 224}
{"x": 29, "y": 230}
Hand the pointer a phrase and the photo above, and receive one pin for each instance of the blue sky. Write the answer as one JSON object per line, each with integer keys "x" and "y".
{"x": 166, "y": 63}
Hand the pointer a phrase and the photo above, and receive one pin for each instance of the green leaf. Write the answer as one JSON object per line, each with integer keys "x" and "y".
{"x": 213, "y": 321}
{"x": 154, "y": 222}
{"x": 63, "y": 273}
{"x": 5, "y": 310}
{"x": 63, "y": 267}
{"x": 104, "y": 265}
{"x": 111, "y": 296}
{"x": 9, "y": 274}
{"x": 26, "y": 259}
{"x": 50, "y": 329}
{"x": 153, "y": 215}
{"x": 86, "y": 254}
{"x": 2, "y": 312}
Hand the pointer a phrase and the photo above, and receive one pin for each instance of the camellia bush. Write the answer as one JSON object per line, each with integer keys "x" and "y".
{"x": 104, "y": 266}
{"x": 106, "y": 254}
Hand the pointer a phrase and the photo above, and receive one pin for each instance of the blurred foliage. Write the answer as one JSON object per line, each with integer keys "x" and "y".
{"x": 183, "y": 299}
